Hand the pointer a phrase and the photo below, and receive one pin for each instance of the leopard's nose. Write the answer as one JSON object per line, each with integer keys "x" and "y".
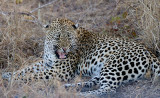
{"x": 63, "y": 50}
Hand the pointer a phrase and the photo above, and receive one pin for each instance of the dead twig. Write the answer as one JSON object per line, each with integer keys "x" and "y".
{"x": 43, "y": 6}
{"x": 29, "y": 13}
{"x": 35, "y": 20}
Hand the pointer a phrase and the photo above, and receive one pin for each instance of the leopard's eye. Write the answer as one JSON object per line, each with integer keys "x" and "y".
{"x": 57, "y": 37}
{"x": 68, "y": 35}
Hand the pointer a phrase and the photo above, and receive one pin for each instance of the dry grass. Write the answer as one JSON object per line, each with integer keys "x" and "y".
{"x": 145, "y": 15}
{"x": 21, "y": 37}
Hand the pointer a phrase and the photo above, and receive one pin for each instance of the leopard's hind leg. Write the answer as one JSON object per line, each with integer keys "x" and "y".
{"x": 108, "y": 82}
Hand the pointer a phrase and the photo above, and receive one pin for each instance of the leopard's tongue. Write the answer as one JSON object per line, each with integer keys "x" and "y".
{"x": 62, "y": 55}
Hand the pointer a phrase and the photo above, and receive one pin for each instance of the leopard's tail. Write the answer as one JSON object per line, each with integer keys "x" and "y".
{"x": 22, "y": 72}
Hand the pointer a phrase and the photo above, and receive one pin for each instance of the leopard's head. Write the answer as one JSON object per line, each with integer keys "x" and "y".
{"x": 61, "y": 37}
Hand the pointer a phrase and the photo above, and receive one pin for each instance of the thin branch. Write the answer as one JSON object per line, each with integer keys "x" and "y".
{"x": 42, "y": 6}
{"x": 4, "y": 13}
{"x": 30, "y": 13}
{"x": 35, "y": 20}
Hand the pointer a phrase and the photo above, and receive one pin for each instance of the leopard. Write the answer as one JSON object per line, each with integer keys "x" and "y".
{"x": 108, "y": 61}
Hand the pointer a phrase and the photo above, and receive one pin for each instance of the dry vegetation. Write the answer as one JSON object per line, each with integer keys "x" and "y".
{"x": 22, "y": 36}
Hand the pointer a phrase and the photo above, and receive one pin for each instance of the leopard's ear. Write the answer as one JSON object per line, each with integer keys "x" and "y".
{"x": 46, "y": 26}
{"x": 75, "y": 26}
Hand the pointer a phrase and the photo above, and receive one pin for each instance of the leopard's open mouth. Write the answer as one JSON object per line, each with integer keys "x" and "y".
{"x": 61, "y": 53}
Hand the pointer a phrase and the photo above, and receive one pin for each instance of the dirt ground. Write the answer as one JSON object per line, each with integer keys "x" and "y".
{"x": 22, "y": 37}
{"x": 139, "y": 89}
